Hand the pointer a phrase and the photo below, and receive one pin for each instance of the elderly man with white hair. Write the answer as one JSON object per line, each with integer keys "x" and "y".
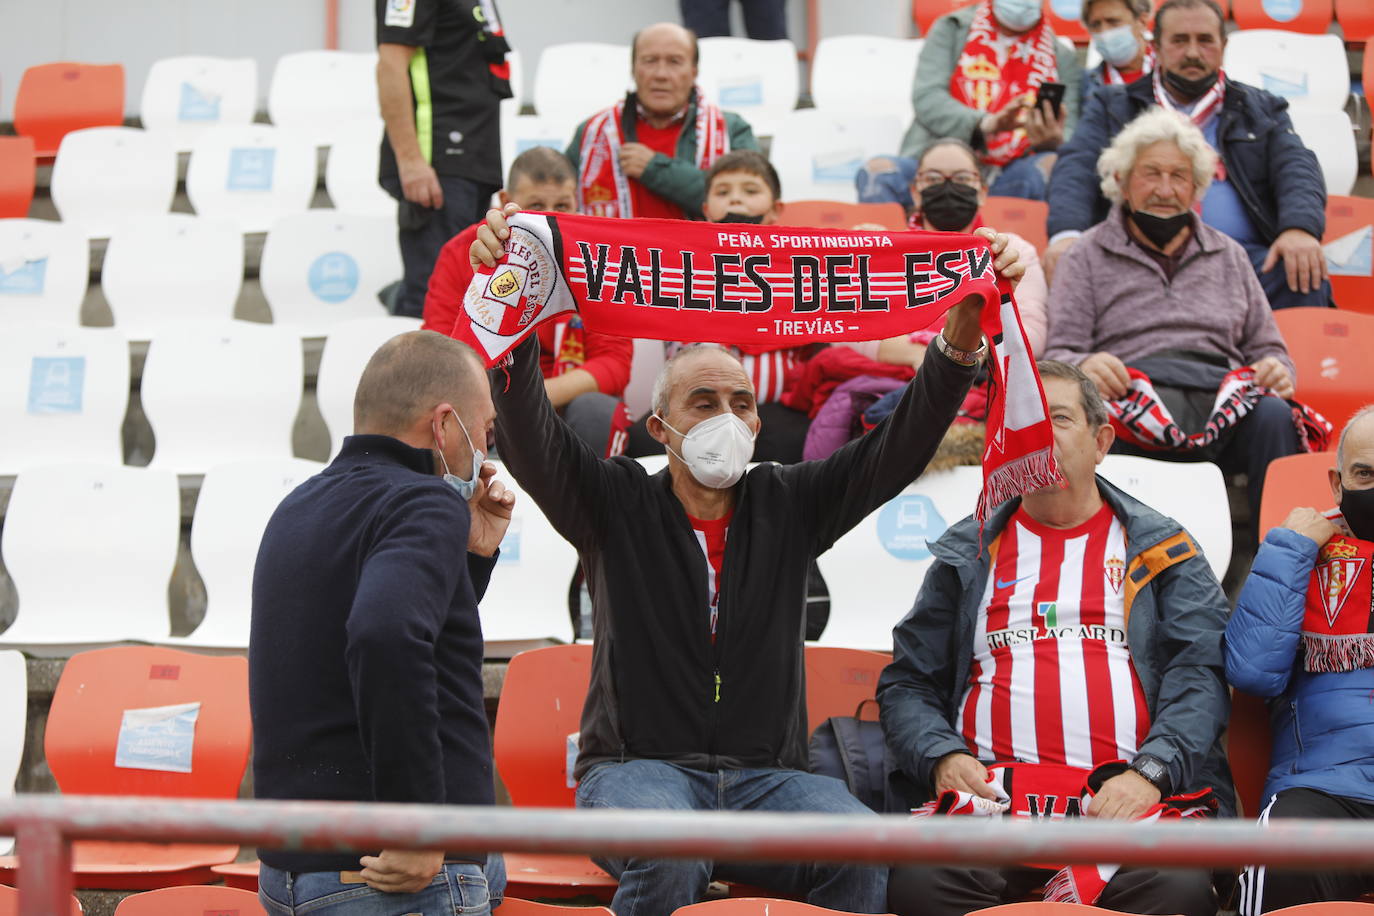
{"x": 1161, "y": 310}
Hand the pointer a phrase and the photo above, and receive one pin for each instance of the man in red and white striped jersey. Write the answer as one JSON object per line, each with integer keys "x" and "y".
{"x": 1080, "y": 627}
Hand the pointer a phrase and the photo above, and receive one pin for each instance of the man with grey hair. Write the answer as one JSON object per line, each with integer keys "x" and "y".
{"x": 1302, "y": 637}
{"x": 365, "y": 655}
{"x": 1074, "y": 629}
{"x": 1156, "y": 289}
{"x": 1269, "y": 194}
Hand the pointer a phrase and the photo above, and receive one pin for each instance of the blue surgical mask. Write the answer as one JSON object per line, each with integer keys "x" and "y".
{"x": 465, "y": 488}
{"x": 1017, "y": 15}
{"x": 1118, "y": 46}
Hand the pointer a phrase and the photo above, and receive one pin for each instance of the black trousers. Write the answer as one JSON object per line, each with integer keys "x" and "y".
{"x": 1263, "y": 889}
{"x": 763, "y": 19}
{"x": 423, "y": 231}
{"x": 914, "y": 890}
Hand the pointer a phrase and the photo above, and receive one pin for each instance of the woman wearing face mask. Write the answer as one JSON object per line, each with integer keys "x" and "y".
{"x": 1120, "y": 31}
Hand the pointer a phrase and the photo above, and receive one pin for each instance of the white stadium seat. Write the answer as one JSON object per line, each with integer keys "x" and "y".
{"x": 91, "y": 550}
{"x": 173, "y": 267}
{"x": 233, "y": 507}
{"x": 521, "y": 132}
{"x": 758, "y": 80}
{"x": 817, "y": 153}
{"x": 253, "y": 174}
{"x": 322, "y": 267}
{"x": 526, "y": 605}
{"x": 347, "y": 349}
{"x": 578, "y": 79}
{"x": 350, "y": 174}
{"x": 1330, "y": 135}
{"x": 842, "y": 76}
{"x": 14, "y": 716}
{"x": 220, "y": 391}
{"x": 1192, "y": 493}
{"x": 105, "y": 175}
{"x": 1310, "y": 71}
{"x": 64, "y": 391}
{"x": 44, "y": 271}
{"x": 184, "y": 95}
{"x": 320, "y": 92}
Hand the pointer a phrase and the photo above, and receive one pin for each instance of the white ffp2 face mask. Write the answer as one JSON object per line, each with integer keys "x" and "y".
{"x": 717, "y": 450}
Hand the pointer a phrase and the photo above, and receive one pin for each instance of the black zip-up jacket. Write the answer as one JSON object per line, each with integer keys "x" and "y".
{"x": 660, "y": 689}
{"x": 1277, "y": 178}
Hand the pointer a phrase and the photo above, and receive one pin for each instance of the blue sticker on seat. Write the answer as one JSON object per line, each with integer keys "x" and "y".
{"x": 197, "y": 104}
{"x": 1351, "y": 255}
{"x": 56, "y": 383}
{"x": 333, "y": 277}
{"x": 510, "y": 545}
{"x": 524, "y": 143}
{"x": 250, "y": 169}
{"x": 1067, "y": 9}
{"x": 907, "y": 525}
{"x": 840, "y": 166}
{"x": 25, "y": 280}
{"x": 1282, "y": 10}
{"x": 742, "y": 93}
{"x": 1288, "y": 84}
{"x": 158, "y": 738}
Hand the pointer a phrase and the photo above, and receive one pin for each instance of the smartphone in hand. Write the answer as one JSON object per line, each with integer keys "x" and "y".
{"x": 1052, "y": 93}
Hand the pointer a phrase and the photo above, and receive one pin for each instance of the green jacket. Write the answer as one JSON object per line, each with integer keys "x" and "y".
{"x": 938, "y": 114}
{"x": 678, "y": 179}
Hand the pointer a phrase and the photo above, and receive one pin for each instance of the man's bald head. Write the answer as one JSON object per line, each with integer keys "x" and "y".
{"x": 685, "y": 360}
{"x": 409, "y": 376}
{"x": 1361, "y": 424}
{"x": 669, "y": 32}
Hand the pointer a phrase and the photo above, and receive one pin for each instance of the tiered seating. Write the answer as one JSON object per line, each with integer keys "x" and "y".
{"x": 318, "y": 93}
{"x": 602, "y": 78}
{"x": 17, "y": 174}
{"x": 839, "y": 680}
{"x": 346, "y": 352}
{"x": 817, "y": 153}
{"x": 1312, "y": 16}
{"x": 184, "y": 95}
{"x": 1331, "y": 137}
{"x": 1349, "y": 248}
{"x": 1292, "y": 481}
{"x": 211, "y": 901}
{"x": 1308, "y": 70}
{"x": 106, "y": 175}
{"x": 842, "y": 75}
{"x": 1024, "y": 217}
{"x": 350, "y": 174}
{"x": 254, "y": 174}
{"x": 521, "y": 132}
{"x": 1357, "y": 20}
{"x": 43, "y": 271}
{"x": 1331, "y": 353}
{"x": 60, "y": 97}
{"x": 755, "y": 79}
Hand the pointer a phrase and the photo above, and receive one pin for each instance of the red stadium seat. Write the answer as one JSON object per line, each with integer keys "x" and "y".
{"x": 1312, "y": 16}
{"x": 1327, "y": 908}
{"x": 1349, "y": 244}
{"x": 211, "y": 901}
{"x": 94, "y": 747}
{"x": 1293, "y": 481}
{"x": 1357, "y": 22}
{"x": 838, "y": 680}
{"x": 514, "y": 906}
{"x": 17, "y": 174}
{"x": 752, "y": 906}
{"x": 1064, "y": 18}
{"x": 834, "y": 214}
{"x": 1248, "y": 743}
{"x": 1024, "y": 217}
{"x": 243, "y": 875}
{"x": 1042, "y": 908}
{"x": 9, "y": 902}
{"x": 925, "y": 12}
{"x": 1330, "y": 350}
{"x": 55, "y": 99}
{"x": 539, "y": 713}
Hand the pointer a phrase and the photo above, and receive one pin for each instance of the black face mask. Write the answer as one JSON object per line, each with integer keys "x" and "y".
{"x": 1161, "y": 229}
{"x": 1189, "y": 89}
{"x": 741, "y": 218}
{"x": 1358, "y": 508}
{"x": 949, "y": 206}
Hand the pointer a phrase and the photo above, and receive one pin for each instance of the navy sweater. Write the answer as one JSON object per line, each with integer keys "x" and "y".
{"x": 365, "y": 659}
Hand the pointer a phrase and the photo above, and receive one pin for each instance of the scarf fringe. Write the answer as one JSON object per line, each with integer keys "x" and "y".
{"x": 1015, "y": 478}
{"x": 1061, "y": 888}
{"x": 1325, "y": 654}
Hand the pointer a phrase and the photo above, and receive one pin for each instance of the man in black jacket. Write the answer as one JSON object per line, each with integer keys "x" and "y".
{"x": 698, "y": 583}
{"x": 1269, "y": 194}
{"x": 365, "y": 656}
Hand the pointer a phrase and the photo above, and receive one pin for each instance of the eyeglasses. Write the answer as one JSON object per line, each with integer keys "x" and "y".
{"x": 970, "y": 179}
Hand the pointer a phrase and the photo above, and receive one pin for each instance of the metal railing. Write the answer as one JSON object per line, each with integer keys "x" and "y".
{"x": 46, "y": 825}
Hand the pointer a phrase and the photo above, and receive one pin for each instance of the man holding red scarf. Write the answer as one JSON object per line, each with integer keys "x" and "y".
{"x": 1302, "y": 637}
{"x": 647, "y": 155}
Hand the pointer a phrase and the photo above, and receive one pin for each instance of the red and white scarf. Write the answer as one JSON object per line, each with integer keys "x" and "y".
{"x": 767, "y": 285}
{"x": 1142, "y": 419}
{"x": 603, "y": 188}
{"x": 1111, "y": 76}
{"x": 1037, "y": 791}
{"x": 996, "y": 70}
{"x": 1203, "y": 107}
{"x": 1337, "y": 622}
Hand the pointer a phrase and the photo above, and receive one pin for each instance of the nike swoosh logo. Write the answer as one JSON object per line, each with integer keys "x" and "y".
{"x": 1010, "y": 582}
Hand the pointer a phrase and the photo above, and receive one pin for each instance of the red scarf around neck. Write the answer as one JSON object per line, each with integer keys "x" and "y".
{"x": 996, "y": 70}
{"x": 784, "y": 286}
{"x": 1337, "y": 622}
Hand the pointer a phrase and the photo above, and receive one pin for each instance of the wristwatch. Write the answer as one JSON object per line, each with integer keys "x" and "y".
{"x": 1154, "y": 771}
{"x": 962, "y": 357}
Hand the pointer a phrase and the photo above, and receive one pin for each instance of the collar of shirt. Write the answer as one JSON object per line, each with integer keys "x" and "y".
{"x": 679, "y": 115}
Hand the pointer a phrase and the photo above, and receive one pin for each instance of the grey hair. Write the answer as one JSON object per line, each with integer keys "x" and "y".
{"x": 1365, "y": 411}
{"x": 1156, "y": 125}
{"x": 665, "y": 375}
{"x": 1094, "y": 410}
{"x": 1137, "y": 8}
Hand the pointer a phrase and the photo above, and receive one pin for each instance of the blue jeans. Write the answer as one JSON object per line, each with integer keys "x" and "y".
{"x": 885, "y": 179}
{"x": 654, "y": 887}
{"x": 458, "y": 890}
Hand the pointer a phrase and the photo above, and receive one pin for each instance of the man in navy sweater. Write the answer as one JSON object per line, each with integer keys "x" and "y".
{"x": 365, "y": 659}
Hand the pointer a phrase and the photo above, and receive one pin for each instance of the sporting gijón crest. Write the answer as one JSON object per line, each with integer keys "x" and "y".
{"x": 1338, "y": 572}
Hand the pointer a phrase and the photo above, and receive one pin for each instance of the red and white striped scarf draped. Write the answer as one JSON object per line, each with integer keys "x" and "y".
{"x": 1142, "y": 419}
{"x": 996, "y": 70}
{"x": 1203, "y": 108}
{"x": 600, "y": 156}
{"x": 1112, "y": 76}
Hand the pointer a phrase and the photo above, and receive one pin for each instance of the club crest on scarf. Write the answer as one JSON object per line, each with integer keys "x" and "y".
{"x": 510, "y": 298}
{"x": 1338, "y": 571}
